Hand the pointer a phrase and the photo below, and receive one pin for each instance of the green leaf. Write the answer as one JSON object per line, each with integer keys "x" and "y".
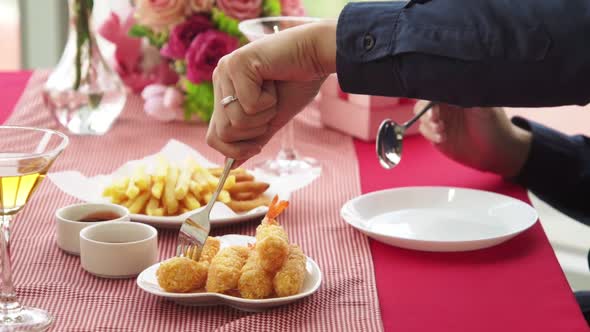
{"x": 139, "y": 31}
{"x": 157, "y": 39}
{"x": 199, "y": 101}
{"x": 179, "y": 66}
{"x": 271, "y": 8}
{"x": 225, "y": 23}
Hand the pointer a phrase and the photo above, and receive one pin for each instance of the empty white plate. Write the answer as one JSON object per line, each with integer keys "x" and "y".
{"x": 148, "y": 281}
{"x": 439, "y": 218}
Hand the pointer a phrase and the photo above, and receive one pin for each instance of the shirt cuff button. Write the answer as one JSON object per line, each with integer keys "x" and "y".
{"x": 368, "y": 42}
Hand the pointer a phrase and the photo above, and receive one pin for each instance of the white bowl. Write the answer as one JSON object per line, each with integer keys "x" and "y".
{"x": 68, "y": 226}
{"x": 439, "y": 218}
{"x": 148, "y": 281}
{"x": 119, "y": 249}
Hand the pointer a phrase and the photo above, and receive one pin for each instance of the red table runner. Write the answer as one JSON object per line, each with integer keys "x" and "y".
{"x": 11, "y": 88}
{"x": 517, "y": 286}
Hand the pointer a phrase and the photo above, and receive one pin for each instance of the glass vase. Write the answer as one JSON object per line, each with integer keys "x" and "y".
{"x": 83, "y": 93}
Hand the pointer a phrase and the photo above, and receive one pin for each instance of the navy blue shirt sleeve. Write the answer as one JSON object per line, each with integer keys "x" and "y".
{"x": 558, "y": 169}
{"x": 467, "y": 53}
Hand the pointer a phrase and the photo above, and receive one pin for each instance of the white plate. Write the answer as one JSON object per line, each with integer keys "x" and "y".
{"x": 90, "y": 189}
{"x": 148, "y": 281}
{"x": 438, "y": 218}
{"x": 218, "y": 210}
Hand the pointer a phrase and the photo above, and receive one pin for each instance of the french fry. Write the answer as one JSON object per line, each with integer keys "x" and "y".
{"x": 244, "y": 177}
{"x": 244, "y": 196}
{"x": 136, "y": 205}
{"x": 200, "y": 178}
{"x": 118, "y": 198}
{"x": 244, "y": 206}
{"x": 255, "y": 187}
{"x": 211, "y": 181}
{"x": 223, "y": 197}
{"x": 116, "y": 191}
{"x": 191, "y": 202}
{"x": 159, "y": 212}
{"x": 161, "y": 169}
{"x": 153, "y": 208}
{"x": 132, "y": 190}
{"x": 142, "y": 180}
{"x": 157, "y": 187}
{"x": 216, "y": 171}
{"x": 229, "y": 182}
{"x": 195, "y": 188}
{"x": 169, "y": 198}
{"x": 182, "y": 185}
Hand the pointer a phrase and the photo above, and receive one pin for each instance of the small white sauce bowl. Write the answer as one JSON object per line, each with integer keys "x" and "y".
{"x": 68, "y": 226}
{"x": 118, "y": 250}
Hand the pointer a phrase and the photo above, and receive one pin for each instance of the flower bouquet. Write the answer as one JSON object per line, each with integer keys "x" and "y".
{"x": 166, "y": 50}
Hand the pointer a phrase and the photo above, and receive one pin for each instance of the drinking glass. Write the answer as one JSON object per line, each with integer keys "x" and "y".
{"x": 26, "y": 154}
{"x": 288, "y": 160}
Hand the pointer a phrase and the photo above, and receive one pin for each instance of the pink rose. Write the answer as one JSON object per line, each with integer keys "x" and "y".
{"x": 204, "y": 53}
{"x": 183, "y": 34}
{"x": 159, "y": 14}
{"x": 292, "y": 8}
{"x": 201, "y": 6}
{"x": 162, "y": 102}
{"x": 128, "y": 49}
{"x": 137, "y": 65}
{"x": 241, "y": 9}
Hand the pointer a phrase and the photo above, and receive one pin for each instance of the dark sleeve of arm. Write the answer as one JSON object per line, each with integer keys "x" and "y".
{"x": 558, "y": 169}
{"x": 467, "y": 53}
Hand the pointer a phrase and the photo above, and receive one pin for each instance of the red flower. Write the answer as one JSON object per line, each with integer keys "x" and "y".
{"x": 204, "y": 53}
{"x": 183, "y": 34}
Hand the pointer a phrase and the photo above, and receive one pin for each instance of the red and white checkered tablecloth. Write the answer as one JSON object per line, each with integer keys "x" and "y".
{"x": 46, "y": 277}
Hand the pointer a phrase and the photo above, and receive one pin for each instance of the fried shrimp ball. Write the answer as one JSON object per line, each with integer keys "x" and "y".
{"x": 181, "y": 275}
{"x": 255, "y": 282}
{"x": 225, "y": 268}
{"x": 290, "y": 277}
{"x": 210, "y": 249}
{"x": 272, "y": 242}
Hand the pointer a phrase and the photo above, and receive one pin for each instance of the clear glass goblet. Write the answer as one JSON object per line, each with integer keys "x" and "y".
{"x": 288, "y": 160}
{"x": 26, "y": 154}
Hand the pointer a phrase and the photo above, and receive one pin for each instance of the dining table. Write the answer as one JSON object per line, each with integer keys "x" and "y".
{"x": 366, "y": 285}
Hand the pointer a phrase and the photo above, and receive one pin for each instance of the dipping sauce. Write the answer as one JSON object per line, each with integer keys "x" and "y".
{"x": 100, "y": 216}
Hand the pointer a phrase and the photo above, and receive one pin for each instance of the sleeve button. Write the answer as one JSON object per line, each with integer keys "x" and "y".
{"x": 368, "y": 42}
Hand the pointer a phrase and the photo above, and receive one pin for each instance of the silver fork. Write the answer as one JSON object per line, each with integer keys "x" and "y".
{"x": 195, "y": 228}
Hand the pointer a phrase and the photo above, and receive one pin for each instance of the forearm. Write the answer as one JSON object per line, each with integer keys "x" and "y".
{"x": 468, "y": 53}
{"x": 557, "y": 169}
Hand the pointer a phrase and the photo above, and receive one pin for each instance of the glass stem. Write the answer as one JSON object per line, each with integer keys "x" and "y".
{"x": 8, "y": 301}
{"x": 288, "y": 143}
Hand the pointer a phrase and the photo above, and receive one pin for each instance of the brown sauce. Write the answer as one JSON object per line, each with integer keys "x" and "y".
{"x": 100, "y": 216}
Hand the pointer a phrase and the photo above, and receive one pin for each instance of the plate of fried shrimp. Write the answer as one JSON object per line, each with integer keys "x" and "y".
{"x": 247, "y": 273}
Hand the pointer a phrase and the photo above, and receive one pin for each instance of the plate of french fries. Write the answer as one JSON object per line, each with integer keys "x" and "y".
{"x": 163, "y": 189}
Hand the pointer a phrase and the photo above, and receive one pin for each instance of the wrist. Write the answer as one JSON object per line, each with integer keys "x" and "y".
{"x": 517, "y": 150}
{"x": 324, "y": 45}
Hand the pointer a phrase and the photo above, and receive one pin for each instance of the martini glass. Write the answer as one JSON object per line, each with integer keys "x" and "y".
{"x": 25, "y": 156}
{"x": 288, "y": 161}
